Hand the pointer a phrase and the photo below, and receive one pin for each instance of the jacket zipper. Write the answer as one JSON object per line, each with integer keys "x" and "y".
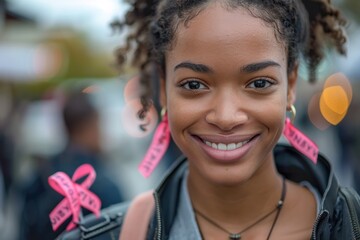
{"x": 158, "y": 217}
{"x": 158, "y": 229}
{"x": 320, "y": 217}
{"x": 353, "y": 217}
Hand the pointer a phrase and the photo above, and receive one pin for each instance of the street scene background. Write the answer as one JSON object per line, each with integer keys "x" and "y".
{"x": 50, "y": 48}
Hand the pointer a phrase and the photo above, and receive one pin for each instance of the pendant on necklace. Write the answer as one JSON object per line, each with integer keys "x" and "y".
{"x": 234, "y": 236}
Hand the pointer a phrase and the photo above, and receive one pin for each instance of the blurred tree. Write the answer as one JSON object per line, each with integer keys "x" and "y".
{"x": 76, "y": 60}
{"x": 353, "y": 8}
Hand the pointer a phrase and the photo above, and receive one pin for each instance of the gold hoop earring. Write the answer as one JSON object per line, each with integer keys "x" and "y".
{"x": 293, "y": 112}
{"x": 163, "y": 112}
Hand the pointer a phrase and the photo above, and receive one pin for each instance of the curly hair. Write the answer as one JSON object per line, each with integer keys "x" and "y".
{"x": 306, "y": 27}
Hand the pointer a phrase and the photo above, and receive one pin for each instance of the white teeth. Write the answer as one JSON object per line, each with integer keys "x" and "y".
{"x": 222, "y": 146}
{"x": 226, "y": 147}
{"x": 231, "y": 146}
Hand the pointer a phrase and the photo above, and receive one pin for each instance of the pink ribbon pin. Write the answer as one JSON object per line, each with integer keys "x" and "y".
{"x": 76, "y": 196}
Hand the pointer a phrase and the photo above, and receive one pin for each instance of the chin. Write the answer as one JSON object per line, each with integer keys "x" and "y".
{"x": 225, "y": 176}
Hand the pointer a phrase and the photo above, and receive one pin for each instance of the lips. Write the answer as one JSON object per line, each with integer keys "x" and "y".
{"x": 226, "y": 148}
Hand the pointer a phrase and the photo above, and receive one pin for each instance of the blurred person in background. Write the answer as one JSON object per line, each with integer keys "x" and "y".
{"x": 82, "y": 124}
{"x": 6, "y": 162}
{"x": 6, "y": 159}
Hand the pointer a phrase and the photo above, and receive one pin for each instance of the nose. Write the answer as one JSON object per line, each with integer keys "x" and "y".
{"x": 227, "y": 111}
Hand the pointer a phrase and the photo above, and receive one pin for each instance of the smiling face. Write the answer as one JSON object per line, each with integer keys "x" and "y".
{"x": 227, "y": 90}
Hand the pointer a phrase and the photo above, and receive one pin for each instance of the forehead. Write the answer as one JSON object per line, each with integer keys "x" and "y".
{"x": 223, "y": 32}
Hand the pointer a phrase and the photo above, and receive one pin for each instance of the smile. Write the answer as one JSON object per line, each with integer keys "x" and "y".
{"x": 226, "y": 149}
{"x": 224, "y": 146}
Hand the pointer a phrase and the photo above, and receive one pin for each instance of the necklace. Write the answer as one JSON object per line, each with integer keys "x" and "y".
{"x": 237, "y": 236}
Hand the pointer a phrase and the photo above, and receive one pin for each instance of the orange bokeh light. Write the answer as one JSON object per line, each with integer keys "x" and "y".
{"x": 334, "y": 104}
{"x": 339, "y": 79}
{"x": 335, "y": 98}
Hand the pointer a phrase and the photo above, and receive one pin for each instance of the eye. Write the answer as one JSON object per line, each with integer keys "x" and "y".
{"x": 260, "y": 83}
{"x": 193, "y": 85}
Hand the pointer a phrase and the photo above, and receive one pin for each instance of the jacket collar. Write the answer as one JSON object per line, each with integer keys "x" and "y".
{"x": 167, "y": 198}
{"x": 290, "y": 163}
{"x": 295, "y": 167}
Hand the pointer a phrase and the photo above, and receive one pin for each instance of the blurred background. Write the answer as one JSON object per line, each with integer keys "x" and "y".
{"x": 52, "y": 51}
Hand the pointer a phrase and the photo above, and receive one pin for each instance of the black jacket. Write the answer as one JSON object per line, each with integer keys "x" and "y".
{"x": 340, "y": 207}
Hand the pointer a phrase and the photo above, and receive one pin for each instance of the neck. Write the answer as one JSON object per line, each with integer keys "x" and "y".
{"x": 237, "y": 204}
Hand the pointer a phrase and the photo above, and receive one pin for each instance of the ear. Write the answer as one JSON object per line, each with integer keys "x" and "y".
{"x": 291, "y": 90}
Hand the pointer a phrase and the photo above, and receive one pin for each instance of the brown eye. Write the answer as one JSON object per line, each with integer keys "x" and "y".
{"x": 193, "y": 85}
{"x": 260, "y": 83}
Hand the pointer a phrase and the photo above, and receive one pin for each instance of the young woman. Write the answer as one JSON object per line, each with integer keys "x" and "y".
{"x": 227, "y": 74}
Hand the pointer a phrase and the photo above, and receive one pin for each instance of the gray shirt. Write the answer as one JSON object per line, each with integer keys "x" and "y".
{"x": 184, "y": 226}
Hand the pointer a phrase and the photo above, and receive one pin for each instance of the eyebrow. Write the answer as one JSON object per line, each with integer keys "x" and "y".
{"x": 250, "y": 68}
{"x": 254, "y": 67}
{"x": 196, "y": 67}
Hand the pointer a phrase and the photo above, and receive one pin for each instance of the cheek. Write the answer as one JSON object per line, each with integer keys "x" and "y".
{"x": 273, "y": 113}
{"x": 182, "y": 113}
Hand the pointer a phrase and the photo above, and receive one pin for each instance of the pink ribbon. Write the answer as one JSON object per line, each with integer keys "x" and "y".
{"x": 157, "y": 149}
{"x": 301, "y": 142}
{"x": 76, "y": 196}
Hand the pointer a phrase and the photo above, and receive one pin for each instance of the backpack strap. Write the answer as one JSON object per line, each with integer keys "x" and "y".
{"x": 137, "y": 219}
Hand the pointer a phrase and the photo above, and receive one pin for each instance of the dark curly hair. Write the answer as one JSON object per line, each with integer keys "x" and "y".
{"x": 306, "y": 27}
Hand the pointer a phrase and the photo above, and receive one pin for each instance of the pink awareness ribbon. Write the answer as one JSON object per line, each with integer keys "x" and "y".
{"x": 301, "y": 142}
{"x": 76, "y": 196}
{"x": 157, "y": 149}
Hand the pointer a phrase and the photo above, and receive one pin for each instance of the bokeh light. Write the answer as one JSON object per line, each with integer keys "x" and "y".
{"x": 131, "y": 122}
{"x": 332, "y": 104}
{"x": 315, "y": 115}
{"x": 91, "y": 89}
{"x": 50, "y": 61}
{"x": 132, "y": 89}
{"x": 339, "y": 79}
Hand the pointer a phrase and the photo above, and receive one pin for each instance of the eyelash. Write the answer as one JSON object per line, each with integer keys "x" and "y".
{"x": 183, "y": 85}
{"x": 267, "y": 81}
